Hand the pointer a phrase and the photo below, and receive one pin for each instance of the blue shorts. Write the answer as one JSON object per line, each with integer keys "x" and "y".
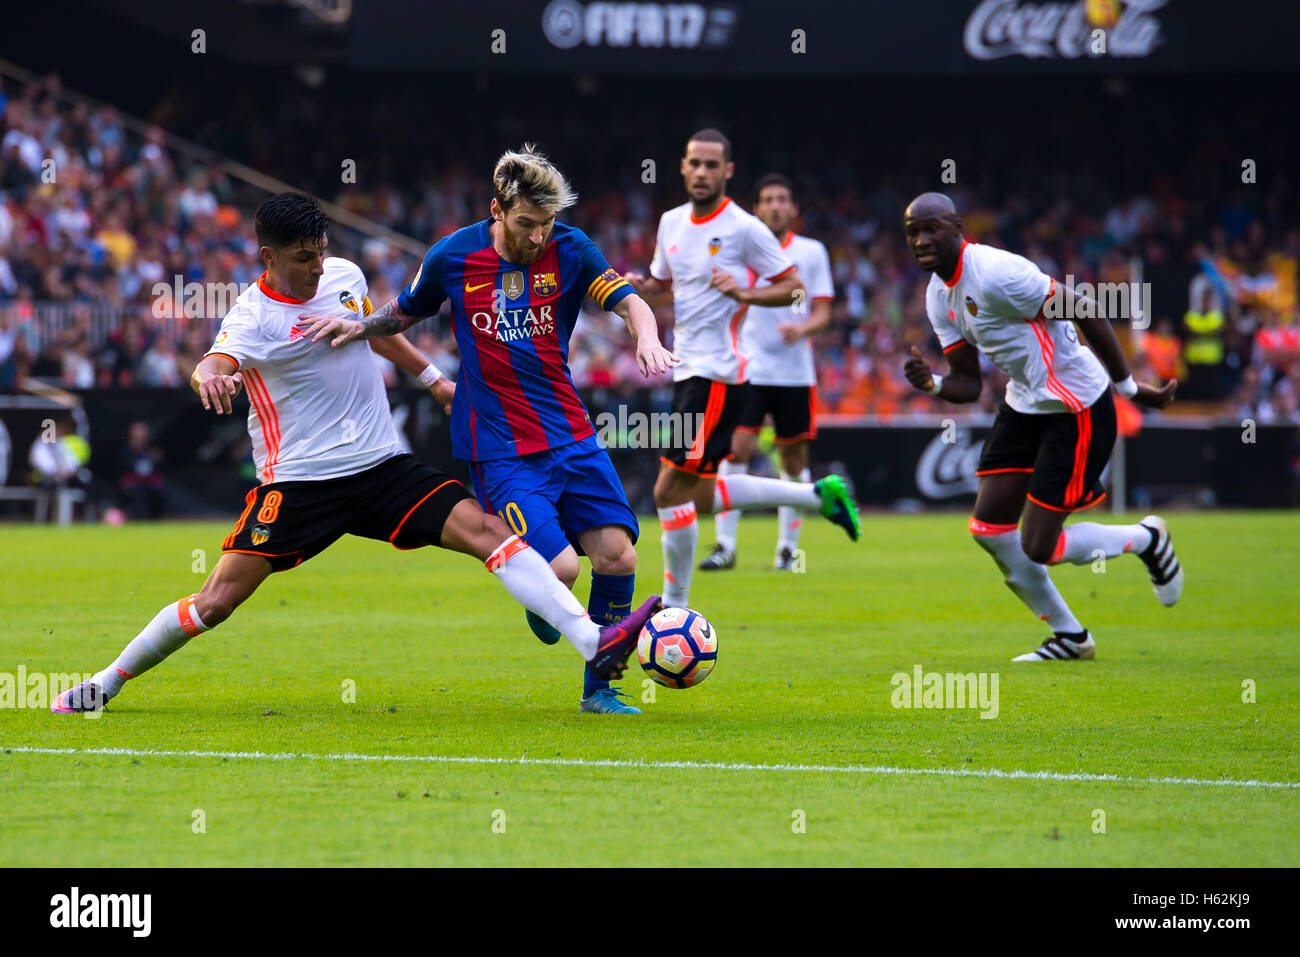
{"x": 550, "y": 498}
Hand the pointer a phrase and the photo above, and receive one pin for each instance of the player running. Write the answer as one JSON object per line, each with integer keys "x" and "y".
{"x": 782, "y": 378}
{"x": 330, "y": 461}
{"x": 703, "y": 254}
{"x": 516, "y": 283}
{"x": 1055, "y": 428}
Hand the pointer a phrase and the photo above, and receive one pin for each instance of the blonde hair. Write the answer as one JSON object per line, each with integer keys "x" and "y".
{"x": 528, "y": 175}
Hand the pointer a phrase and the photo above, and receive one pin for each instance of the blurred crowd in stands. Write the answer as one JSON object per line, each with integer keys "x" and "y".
{"x": 93, "y": 216}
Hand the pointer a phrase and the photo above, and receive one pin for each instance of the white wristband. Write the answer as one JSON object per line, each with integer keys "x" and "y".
{"x": 1128, "y": 388}
{"x": 938, "y": 381}
{"x": 430, "y": 375}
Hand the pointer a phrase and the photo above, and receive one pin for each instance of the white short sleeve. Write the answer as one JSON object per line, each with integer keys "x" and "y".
{"x": 364, "y": 291}
{"x": 763, "y": 253}
{"x": 1018, "y": 284}
{"x": 818, "y": 281}
{"x": 357, "y": 285}
{"x": 937, "y": 312}
{"x": 239, "y": 339}
{"x": 659, "y": 264}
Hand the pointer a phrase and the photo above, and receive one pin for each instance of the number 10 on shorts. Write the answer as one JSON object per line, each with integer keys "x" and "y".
{"x": 514, "y": 518}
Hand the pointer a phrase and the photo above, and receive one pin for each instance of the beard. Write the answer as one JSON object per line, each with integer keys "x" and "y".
{"x": 709, "y": 198}
{"x": 781, "y": 229}
{"x": 522, "y": 254}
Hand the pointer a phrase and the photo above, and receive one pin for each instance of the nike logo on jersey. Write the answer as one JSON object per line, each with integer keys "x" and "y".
{"x": 469, "y": 288}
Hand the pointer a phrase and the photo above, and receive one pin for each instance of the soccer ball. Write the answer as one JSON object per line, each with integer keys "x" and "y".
{"x": 678, "y": 648}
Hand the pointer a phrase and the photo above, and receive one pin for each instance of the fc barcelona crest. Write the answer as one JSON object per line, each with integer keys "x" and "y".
{"x": 512, "y": 284}
{"x": 348, "y": 300}
{"x": 544, "y": 284}
{"x": 714, "y": 245}
{"x": 971, "y": 307}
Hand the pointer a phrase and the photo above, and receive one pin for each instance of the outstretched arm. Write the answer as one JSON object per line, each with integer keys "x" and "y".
{"x": 651, "y": 356}
{"x": 1065, "y": 302}
{"x": 387, "y": 320}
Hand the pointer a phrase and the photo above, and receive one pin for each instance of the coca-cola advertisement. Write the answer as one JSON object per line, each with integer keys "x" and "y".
{"x": 933, "y": 463}
{"x": 1070, "y": 30}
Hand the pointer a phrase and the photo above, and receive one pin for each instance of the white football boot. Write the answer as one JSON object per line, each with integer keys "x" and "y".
{"x": 1057, "y": 648}
{"x": 1162, "y": 564}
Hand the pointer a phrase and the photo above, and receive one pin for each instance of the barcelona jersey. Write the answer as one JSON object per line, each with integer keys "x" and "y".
{"x": 514, "y": 394}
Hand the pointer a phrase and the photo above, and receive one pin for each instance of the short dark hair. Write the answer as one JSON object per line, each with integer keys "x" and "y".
{"x": 772, "y": 179}
{"x": 288, "y": 218}
{"x": 711, "y": 135}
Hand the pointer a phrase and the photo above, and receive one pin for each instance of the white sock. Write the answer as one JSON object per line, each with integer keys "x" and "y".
{"x": 751, "y": 491}
{"x": 532, "y": 583}
{"x": 789, "y": 521}
{"x": 170, "y": 629}
{"x": 681, "y": 532}
{"x": 726, "y": 523}
{"x": 1028, "y": 580}
{"x": 1080, "y": 543}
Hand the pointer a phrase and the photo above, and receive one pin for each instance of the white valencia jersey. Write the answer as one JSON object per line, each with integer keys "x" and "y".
{"x": 315, "y": 412}
{"x": 706, "y": 325}
{"x": 770, "y": 360}
{"x": 994, "y": 302}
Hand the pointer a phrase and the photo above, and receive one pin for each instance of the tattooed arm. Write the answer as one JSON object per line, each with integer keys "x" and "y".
{"x": 387, "y": 320}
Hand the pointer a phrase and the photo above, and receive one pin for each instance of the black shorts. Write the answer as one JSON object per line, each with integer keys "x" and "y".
{"x": 793, "y": 409}
{"x": 714, "y": 409}
{"x": 1065, "y": 451}
{"x": 401, "y": 500}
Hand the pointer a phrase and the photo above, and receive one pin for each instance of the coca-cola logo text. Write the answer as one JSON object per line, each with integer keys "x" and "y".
{"x": 1001, "y": 28}
{"x": 947, "y": 466}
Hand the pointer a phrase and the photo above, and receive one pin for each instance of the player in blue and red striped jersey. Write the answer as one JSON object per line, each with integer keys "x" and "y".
{"x": 516, "y": 283}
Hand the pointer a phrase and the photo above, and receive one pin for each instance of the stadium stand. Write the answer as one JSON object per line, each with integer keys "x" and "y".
{"x": 78, "y": 265}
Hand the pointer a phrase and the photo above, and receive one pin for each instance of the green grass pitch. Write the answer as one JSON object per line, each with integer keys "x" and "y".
{"x": 444, "y": 668}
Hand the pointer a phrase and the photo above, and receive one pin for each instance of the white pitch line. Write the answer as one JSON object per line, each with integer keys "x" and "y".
{"x": 679, "y": 765}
